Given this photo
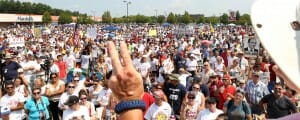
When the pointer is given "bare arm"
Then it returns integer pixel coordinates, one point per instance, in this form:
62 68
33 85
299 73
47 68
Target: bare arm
20 106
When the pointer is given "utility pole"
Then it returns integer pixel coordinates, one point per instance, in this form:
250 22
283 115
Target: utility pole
127 3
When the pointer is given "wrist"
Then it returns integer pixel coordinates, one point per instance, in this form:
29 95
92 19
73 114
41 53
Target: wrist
125 106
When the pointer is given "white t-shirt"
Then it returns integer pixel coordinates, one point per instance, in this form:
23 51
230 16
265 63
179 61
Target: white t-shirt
54 69
154 64
103 96
144 68
208 115
64 97
182 79
156 112
81 114
70 60
191 65
12 101
85 61
95 94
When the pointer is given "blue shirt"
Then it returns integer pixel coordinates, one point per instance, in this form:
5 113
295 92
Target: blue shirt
35 109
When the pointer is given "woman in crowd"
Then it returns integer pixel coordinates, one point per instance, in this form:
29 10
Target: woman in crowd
40 83
102 66
36 107
235 70
83 96
21 86
94 91
237 108
219 66
200 99
190 108
54 89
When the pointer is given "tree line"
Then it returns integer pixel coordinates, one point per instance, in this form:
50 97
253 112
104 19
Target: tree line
65 16
177 18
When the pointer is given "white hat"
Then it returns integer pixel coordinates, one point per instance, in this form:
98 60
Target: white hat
4 110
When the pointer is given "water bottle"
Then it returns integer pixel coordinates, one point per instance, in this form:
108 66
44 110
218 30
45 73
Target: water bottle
107 114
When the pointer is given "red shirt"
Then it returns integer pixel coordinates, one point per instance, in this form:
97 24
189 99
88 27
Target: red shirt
62 69
148 99
223 96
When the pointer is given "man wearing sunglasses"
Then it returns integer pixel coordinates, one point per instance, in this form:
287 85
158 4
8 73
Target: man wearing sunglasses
211 112
14 100
76 111
278 105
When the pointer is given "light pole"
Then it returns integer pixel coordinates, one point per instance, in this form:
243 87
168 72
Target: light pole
127 3
156 15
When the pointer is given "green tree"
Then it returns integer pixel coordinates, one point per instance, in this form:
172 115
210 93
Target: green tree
46 17
106 17
186 18
118 20
65 18
244 19
224 18
200 19
161 19
171 18
141 19
213 20
237 15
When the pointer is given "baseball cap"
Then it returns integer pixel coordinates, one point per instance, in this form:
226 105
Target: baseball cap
72 100
4 110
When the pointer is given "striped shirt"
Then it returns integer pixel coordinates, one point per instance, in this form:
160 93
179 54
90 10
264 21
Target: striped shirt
256 92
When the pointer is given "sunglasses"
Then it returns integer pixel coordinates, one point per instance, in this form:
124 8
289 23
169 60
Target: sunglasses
20 72
9 87
210 103
195 88
83 98
76 80
53 77
191 97
71 86
36 93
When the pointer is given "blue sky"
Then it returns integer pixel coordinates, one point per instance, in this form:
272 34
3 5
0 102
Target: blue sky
148 7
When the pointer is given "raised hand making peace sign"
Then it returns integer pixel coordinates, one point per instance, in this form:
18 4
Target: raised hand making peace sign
126 83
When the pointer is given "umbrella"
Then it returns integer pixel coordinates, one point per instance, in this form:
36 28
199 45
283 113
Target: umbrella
206 42
111 28
166 24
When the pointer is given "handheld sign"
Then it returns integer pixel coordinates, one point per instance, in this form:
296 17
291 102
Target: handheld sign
277 24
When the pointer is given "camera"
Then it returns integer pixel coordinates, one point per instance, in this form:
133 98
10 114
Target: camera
42 116
47 64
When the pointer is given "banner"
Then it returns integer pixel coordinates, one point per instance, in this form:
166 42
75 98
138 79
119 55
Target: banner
232 17
16 41
92 33
152 33
168 66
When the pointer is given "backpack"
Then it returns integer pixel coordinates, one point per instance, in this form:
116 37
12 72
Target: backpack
230 104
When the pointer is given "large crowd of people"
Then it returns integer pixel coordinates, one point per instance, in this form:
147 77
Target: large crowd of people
188 72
